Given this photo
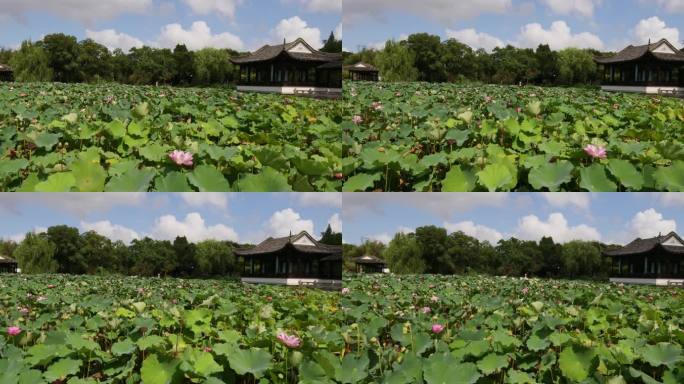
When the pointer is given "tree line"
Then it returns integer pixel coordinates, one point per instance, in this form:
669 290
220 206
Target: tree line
425 57
62 58
64 249
431 249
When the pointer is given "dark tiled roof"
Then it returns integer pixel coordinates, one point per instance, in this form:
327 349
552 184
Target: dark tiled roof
361 67
269 52
368 259
5 68
272 245
6 260
636 52
640 246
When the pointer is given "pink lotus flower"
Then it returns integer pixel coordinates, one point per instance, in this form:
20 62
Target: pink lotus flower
51 286
525 290
437 328
290 341
141 290
357 119
596 151
23 310
426 310
434 299
40 299
13 331
345 291
488 99
397 94
518 109
376 105
207 349
181 157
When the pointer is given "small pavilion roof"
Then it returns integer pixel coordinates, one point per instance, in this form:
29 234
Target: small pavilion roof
360 67
368 259
5 68
7 260
633 52
641 246
302 242
298 50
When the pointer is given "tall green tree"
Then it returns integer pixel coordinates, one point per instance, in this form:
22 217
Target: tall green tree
332 45
96 251
94 61
215 258
30 63
185 65
576 66
404 255
36 254
427 53
331 238
213 66
459 61
432 241
67 241
397 63
63 53
152 257
185 256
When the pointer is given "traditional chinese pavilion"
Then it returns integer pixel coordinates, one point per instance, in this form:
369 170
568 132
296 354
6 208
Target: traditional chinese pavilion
362 72
370 264
6 73
658 261
651 68
291 68
292 260
8 265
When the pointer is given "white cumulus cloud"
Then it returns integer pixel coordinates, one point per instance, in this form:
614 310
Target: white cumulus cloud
335 223
650 223
206 7
215 199
532 227
193 227
442 11
112 39
325 199
293 28
567 7
558 36
287 221
86 11
197 37
672 6
114 232
654 29
564 199
475 39
480 232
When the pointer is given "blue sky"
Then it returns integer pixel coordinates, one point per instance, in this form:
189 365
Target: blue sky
237 24
243 217
601 24
609 217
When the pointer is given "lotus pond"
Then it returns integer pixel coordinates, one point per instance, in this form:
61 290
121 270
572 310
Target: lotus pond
91 138
445 329
59 329
448 137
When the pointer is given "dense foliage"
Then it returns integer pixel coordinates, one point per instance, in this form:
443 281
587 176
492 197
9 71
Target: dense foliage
425 57
431 249
58 329
433 329
60 137
61 57
64 249
448 137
